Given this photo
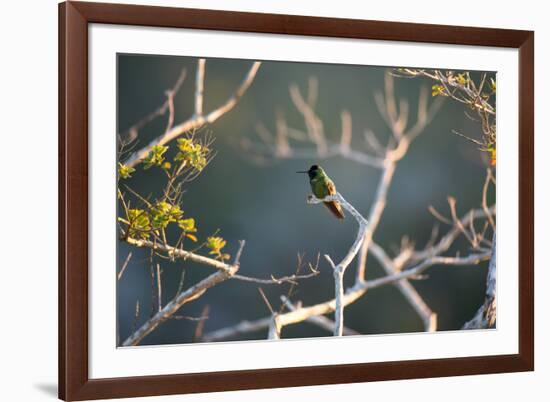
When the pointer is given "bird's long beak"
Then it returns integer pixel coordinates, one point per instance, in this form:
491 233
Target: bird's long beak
302 171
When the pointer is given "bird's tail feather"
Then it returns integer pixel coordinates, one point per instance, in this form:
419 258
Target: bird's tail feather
335 208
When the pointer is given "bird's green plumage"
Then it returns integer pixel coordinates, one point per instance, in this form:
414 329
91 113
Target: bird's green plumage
322 186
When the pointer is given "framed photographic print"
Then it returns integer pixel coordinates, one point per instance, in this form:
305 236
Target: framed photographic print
256 200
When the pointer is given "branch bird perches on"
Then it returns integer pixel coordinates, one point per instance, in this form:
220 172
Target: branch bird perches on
340 268
414 264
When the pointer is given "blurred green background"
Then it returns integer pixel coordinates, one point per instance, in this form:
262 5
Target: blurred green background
264 203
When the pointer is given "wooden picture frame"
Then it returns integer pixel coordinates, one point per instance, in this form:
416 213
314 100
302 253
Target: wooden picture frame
74 381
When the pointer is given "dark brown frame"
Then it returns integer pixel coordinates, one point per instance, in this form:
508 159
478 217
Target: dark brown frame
74 17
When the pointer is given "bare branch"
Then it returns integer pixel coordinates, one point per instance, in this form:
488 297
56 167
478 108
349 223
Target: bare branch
124 265
189 318
136 316
345 140
225 271
171 112
438 216
486 316
197 335
173 306
152 272
266 301
237 259
446 241
276 281
242 328
375 214
313 123
354 293
465 95
484 198
339 270
274 331
159 288
320 321
132 132
196 121
179 253
199 87
351 295
397 122
282 149
232 101
476 96
358 217
182 279
458 223
429 318
408 263
373 143
423 259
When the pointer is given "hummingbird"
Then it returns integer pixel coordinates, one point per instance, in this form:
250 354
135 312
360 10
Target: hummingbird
321 187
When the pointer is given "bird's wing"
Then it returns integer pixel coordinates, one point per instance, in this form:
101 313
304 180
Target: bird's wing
331 188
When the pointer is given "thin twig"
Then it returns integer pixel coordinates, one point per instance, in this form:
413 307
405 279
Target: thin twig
189 318
276 281
152 272
159 288
393 267
132 132
179 253
195 122
124 265
136 316
197 335
182 279
174 305
199 85
438 216
266 301
484 198
313 123
244 327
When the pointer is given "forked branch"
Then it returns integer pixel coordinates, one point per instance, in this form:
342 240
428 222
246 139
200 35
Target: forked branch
413 266
198 119
340 268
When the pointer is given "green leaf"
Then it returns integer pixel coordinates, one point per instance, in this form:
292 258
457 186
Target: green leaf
216 244
140 225
187 225
192 153
155 156
437 90
461 79
164 213
125 172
